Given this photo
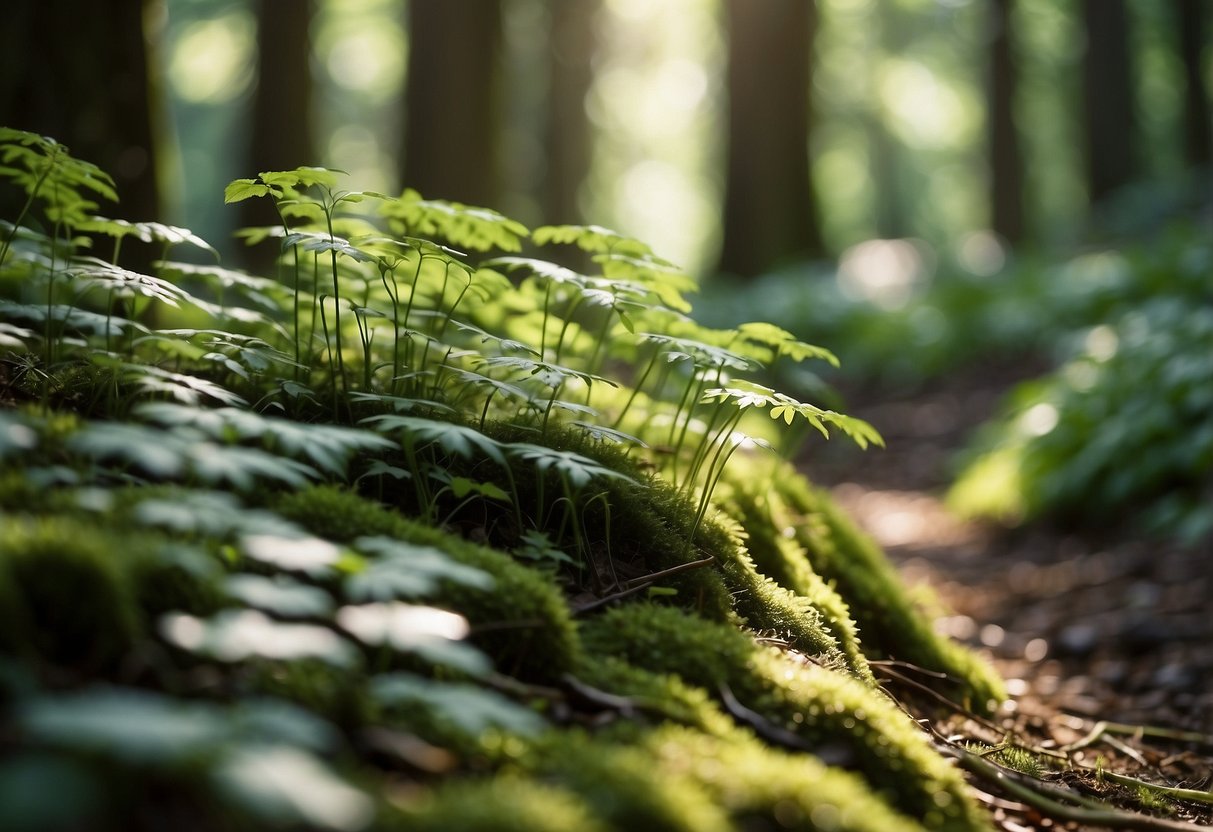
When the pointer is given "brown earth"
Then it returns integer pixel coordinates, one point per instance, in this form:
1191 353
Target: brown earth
1086 627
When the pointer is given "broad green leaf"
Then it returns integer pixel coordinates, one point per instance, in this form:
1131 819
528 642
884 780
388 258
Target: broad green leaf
472 709
310 555
288 788
216 514
279 595
397 568
236 635
431 633
239 190
137 726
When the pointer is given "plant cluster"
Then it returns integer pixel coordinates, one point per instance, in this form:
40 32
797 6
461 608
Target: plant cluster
1121 429
311 550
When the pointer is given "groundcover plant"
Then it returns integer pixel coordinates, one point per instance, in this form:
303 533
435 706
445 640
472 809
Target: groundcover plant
424 530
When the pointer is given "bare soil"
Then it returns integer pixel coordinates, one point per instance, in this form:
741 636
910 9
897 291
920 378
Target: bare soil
1087 627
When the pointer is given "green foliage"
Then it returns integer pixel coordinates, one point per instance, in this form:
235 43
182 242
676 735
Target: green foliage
274 551
891 625
827 709
1120 430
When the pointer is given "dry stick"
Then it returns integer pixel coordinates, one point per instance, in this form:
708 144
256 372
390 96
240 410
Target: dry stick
673 570
1043 796
1046 799
637 584
1195 795
1102 727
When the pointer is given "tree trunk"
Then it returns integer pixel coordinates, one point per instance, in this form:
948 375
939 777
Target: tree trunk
570 73
888 211
1192 22
769 211
281 134
1108 91
452 116
77 72
1006 162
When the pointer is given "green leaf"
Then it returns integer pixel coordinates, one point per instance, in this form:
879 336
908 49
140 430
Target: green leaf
310 555
398 569
431 633
288 787
471 709
573 468
236 635
132 725
461 441
279 595
239 190
216 514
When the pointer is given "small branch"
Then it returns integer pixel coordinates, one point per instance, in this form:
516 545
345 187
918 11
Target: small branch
607 599
1195 795
1047 799
673 570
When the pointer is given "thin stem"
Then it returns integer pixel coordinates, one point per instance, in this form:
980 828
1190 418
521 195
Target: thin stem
636 389
33 194
328 216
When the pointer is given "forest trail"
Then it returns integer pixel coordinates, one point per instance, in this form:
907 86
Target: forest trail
1084 629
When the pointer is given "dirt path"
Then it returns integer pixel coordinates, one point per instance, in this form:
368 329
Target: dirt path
1083 630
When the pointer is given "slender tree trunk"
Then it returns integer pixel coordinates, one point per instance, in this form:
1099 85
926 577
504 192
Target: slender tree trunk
452 115
770 214
281 135
1006 161
1192 21
78 72
889 213
1108 91
570 74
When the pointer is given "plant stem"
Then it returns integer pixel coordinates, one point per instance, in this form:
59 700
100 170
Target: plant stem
33 194
328 216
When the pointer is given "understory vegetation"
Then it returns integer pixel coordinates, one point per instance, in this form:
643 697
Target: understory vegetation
425 531
1119 338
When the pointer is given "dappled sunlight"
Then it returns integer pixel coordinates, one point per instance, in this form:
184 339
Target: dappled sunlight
211 61
885 273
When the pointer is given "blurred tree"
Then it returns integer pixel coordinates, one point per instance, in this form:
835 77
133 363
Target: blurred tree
1192 21
452 113
78 72
769 210
570 73
889 216
1005 159
1109 119
281 135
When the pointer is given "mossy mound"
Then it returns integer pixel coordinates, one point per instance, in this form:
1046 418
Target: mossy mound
890 623
826 709
522 621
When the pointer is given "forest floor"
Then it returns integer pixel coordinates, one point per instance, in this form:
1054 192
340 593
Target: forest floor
1091 631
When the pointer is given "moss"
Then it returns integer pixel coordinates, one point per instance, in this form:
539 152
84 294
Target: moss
497 804
522 622
766 789
617 783
662 694
338 694
69 591
823 707
891 624
772 544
